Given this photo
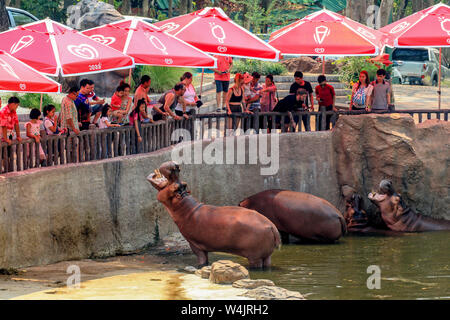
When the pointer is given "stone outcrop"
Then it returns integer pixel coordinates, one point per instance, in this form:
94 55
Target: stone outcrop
369 148
273 293
204 272
309 65
252 284
227 272
88 14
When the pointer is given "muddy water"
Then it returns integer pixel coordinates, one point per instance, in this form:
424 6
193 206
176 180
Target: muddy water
413 266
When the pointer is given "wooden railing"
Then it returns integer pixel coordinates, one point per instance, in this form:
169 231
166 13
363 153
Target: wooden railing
98 144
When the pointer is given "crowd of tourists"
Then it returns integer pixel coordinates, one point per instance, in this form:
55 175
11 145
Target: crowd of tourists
82 109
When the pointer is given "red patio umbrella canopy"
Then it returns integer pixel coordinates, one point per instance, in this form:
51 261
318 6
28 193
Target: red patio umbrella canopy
17 76
52 48
326 33
212 31
149 45
427 28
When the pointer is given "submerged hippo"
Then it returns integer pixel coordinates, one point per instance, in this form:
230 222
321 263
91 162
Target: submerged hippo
300 214
208 228
398 216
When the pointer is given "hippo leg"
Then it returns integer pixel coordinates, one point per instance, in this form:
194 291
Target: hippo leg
255 263
202 256
284 237
267 262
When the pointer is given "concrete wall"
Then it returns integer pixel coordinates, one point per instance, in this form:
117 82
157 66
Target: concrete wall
107 207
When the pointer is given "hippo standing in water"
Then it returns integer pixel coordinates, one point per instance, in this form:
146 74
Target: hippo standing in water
300 214
208 228
398 216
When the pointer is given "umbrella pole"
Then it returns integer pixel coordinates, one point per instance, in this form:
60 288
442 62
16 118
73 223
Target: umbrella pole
440 70
129 77
40 105
323 65
201 83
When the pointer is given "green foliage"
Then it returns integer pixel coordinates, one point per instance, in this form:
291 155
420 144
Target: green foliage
44 8
262 67
350 68
32 100
163 78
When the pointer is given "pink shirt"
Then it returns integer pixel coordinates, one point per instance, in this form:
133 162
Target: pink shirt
268 98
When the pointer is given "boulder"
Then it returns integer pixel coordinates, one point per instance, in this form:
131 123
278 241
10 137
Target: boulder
227 272
252 284
204 272
309 65
273 293
190 269
369 148
88 14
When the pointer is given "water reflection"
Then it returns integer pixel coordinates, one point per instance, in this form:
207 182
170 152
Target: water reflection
413 266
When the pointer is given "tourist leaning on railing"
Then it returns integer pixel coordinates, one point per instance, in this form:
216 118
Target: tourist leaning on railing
33 128
121 103
51 121
189 101
69 115
169 101
137 116
9 121
106 115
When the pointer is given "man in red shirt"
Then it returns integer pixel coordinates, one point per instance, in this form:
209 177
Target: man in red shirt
9 121
222 79
327 100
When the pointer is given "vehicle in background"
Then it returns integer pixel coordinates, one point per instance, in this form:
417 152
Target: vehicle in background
18 17
146 19
418 66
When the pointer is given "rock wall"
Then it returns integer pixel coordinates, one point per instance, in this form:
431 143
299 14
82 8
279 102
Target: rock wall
104 208
415 158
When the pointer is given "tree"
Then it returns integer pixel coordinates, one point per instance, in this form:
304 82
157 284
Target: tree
4 21
384 13
170 8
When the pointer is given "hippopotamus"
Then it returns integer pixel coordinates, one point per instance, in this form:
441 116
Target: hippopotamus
208 228
398 216
302 215
357 220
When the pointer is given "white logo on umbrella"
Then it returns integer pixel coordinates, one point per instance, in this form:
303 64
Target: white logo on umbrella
321 33
83 51
366 33
445 25
218 32
222 49
400 27
22 86
23 42
5 65
168 61
158 45
319 50
170 27
102 39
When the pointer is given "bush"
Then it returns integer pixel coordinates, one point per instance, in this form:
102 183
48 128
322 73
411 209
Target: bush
32 100
350 68
163 78
262 67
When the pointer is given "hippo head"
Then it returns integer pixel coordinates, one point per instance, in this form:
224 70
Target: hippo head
385 191
171 171
355 215
173 194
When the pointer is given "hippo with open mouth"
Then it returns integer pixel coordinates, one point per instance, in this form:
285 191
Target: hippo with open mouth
398 216
208 228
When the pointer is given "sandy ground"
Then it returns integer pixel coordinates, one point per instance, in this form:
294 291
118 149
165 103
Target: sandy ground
137 277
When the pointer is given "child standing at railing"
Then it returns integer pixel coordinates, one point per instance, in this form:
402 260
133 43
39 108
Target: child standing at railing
104 120
51 121
137 116
33 128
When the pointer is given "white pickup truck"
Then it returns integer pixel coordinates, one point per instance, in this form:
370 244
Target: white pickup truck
418 66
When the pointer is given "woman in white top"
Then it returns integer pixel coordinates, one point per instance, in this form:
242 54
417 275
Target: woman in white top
188 101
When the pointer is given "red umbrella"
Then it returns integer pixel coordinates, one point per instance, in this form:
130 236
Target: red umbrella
52 48
17 76
212 31
326 33
427 28
149 45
